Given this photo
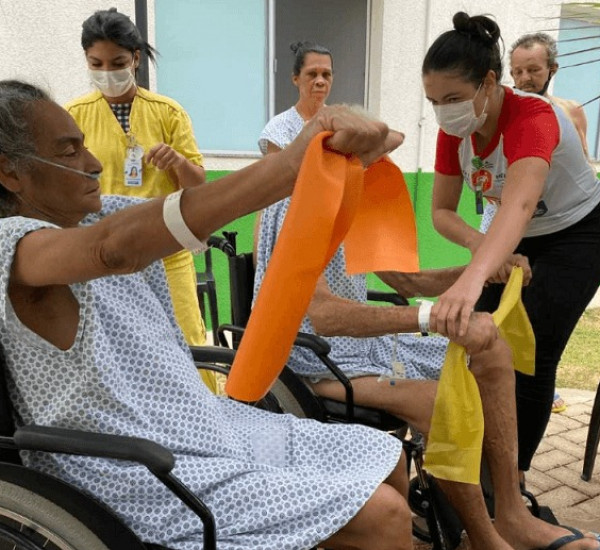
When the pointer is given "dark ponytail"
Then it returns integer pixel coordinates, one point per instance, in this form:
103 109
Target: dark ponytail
470 50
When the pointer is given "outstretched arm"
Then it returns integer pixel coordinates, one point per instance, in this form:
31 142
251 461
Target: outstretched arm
525 180
430 282
133 238
444 212
332 315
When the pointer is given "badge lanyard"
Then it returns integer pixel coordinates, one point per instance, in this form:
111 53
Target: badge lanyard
480 178
132 168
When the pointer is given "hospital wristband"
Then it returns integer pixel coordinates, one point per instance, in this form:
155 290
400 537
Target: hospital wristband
424 315
177 226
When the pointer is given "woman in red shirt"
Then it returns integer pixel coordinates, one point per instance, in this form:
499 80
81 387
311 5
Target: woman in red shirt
518 150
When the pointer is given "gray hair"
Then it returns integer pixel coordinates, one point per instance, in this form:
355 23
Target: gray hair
527 41
16 136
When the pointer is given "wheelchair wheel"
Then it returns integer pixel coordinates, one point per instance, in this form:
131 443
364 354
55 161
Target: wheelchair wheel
29 521
293 396
41 511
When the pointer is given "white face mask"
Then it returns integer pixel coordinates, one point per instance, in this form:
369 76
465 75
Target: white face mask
113 83
459 119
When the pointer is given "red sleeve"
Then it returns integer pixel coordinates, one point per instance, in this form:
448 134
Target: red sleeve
446 154
532 130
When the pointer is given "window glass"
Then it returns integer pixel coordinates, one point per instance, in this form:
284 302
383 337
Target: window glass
212 61
577 79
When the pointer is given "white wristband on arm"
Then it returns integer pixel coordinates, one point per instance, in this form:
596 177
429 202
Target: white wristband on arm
177 226
423 316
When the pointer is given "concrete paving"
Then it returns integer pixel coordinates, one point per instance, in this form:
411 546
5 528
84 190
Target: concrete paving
555 475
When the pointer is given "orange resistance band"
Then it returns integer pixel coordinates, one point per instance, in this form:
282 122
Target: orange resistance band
334 198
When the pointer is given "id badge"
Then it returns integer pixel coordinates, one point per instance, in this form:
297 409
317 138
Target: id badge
132 169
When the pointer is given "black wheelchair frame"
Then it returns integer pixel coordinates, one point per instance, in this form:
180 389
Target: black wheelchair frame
37 510
443 529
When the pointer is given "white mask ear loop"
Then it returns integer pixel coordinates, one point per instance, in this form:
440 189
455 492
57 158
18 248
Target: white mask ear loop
484 104
177 226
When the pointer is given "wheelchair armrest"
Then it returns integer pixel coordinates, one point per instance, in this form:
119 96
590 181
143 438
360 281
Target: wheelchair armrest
212 354
233 329
303 339
391 297
155 457
321 348
313 342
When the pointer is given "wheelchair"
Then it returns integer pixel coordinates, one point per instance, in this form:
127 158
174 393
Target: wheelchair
436 521
39 511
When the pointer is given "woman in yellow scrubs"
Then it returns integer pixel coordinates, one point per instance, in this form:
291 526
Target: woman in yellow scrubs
144 141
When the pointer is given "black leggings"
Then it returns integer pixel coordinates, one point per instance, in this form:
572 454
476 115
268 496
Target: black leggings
566 275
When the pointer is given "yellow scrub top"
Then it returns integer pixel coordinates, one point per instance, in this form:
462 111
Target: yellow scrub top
153 119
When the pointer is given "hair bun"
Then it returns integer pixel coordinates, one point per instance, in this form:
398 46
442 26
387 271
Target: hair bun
479 27
295 46
461 22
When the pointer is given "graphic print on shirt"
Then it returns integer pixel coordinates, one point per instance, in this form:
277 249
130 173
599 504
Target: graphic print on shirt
484 176
481 178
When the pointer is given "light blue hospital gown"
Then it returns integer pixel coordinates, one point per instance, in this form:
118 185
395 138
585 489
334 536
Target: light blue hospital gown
281 130
422 357
272 481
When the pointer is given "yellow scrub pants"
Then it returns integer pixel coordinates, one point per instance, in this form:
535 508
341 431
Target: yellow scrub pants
181 276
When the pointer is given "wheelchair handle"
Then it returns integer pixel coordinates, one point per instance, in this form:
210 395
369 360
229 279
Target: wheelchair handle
214 241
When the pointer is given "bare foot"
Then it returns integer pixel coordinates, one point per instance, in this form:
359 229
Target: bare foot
535 533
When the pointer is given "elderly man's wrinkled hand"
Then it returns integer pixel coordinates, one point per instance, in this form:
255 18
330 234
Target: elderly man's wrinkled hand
452 312
481 333
354 133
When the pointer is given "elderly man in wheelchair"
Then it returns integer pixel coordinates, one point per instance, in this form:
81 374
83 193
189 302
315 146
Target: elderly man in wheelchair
91 344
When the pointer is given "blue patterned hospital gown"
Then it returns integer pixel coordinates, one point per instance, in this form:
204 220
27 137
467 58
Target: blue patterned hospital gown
272 481
422 358
281 130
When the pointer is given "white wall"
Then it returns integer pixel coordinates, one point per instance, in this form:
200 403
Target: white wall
40 42
406 37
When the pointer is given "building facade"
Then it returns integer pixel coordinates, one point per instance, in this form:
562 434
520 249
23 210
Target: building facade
228 63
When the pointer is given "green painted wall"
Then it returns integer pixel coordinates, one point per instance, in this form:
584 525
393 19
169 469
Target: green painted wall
434 250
